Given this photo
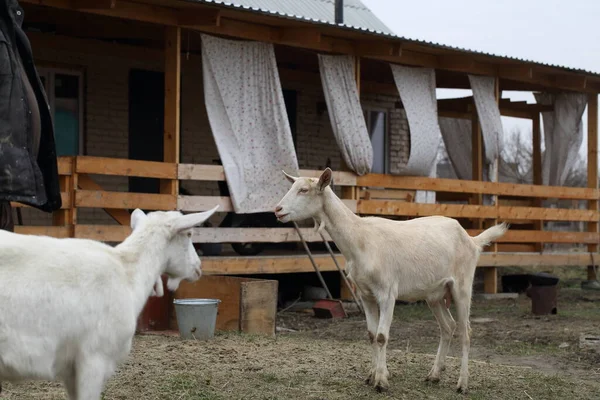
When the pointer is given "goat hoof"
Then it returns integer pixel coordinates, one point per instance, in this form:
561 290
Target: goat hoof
432 379
461 389
381 388
370 379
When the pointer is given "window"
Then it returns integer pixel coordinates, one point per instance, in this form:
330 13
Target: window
377 125
65 96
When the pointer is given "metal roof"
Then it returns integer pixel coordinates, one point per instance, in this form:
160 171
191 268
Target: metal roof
356 14
357 17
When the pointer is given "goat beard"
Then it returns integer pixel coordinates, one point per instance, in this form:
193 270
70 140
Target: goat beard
319 226
173 283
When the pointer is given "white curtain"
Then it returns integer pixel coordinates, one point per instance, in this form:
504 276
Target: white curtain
563 134
249 122
345 113
490 120
417 92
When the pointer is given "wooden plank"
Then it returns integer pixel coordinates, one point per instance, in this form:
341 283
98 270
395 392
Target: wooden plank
245 235
65 199
121 200
400 208
103 233
592 170
118 233
65 165
523 236
305 36
394 194
87 183
370 48
192 17
198 172
53 231
258 307
93 4
301 263
124 167
464 186
536 260
204 203
172 134
216 173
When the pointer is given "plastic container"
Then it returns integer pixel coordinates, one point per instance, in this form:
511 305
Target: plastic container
196 318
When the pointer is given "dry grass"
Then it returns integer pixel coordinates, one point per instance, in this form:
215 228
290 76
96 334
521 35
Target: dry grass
516 356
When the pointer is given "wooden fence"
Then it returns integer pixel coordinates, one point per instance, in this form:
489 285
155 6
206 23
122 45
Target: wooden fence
374 194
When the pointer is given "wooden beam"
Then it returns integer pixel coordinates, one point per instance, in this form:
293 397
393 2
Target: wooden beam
103 233
304 36
523 236
193 17
122 200
93 4
85 182
402 208
52 231
464 186
172 134
592 172
91 47
124 167
370 48
301 263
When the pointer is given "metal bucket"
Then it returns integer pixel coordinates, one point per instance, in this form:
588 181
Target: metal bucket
196 318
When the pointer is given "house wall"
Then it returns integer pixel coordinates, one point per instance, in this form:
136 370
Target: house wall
106 120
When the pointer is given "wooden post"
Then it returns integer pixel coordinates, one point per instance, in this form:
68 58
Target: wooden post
172 104
537 170
592 170
68 184
156 314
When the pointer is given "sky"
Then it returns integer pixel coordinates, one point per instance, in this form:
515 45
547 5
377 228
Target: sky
550 31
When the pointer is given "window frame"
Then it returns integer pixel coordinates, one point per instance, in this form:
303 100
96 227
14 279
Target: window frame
49 73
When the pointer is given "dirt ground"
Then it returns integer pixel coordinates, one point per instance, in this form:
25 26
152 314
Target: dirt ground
515 355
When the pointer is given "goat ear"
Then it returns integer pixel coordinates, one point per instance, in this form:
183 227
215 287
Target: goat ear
289 177
191 220
136 216
325 179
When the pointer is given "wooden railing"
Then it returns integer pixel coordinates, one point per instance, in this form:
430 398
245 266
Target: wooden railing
383 195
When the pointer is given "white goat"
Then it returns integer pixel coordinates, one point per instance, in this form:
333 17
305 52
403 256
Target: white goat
429 258
68 307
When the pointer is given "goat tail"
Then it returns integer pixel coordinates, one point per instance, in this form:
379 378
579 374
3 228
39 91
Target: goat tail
490 235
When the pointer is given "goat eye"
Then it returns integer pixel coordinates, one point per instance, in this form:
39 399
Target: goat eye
189 234
303 190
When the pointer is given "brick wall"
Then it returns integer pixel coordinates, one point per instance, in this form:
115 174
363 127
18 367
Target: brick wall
106 121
